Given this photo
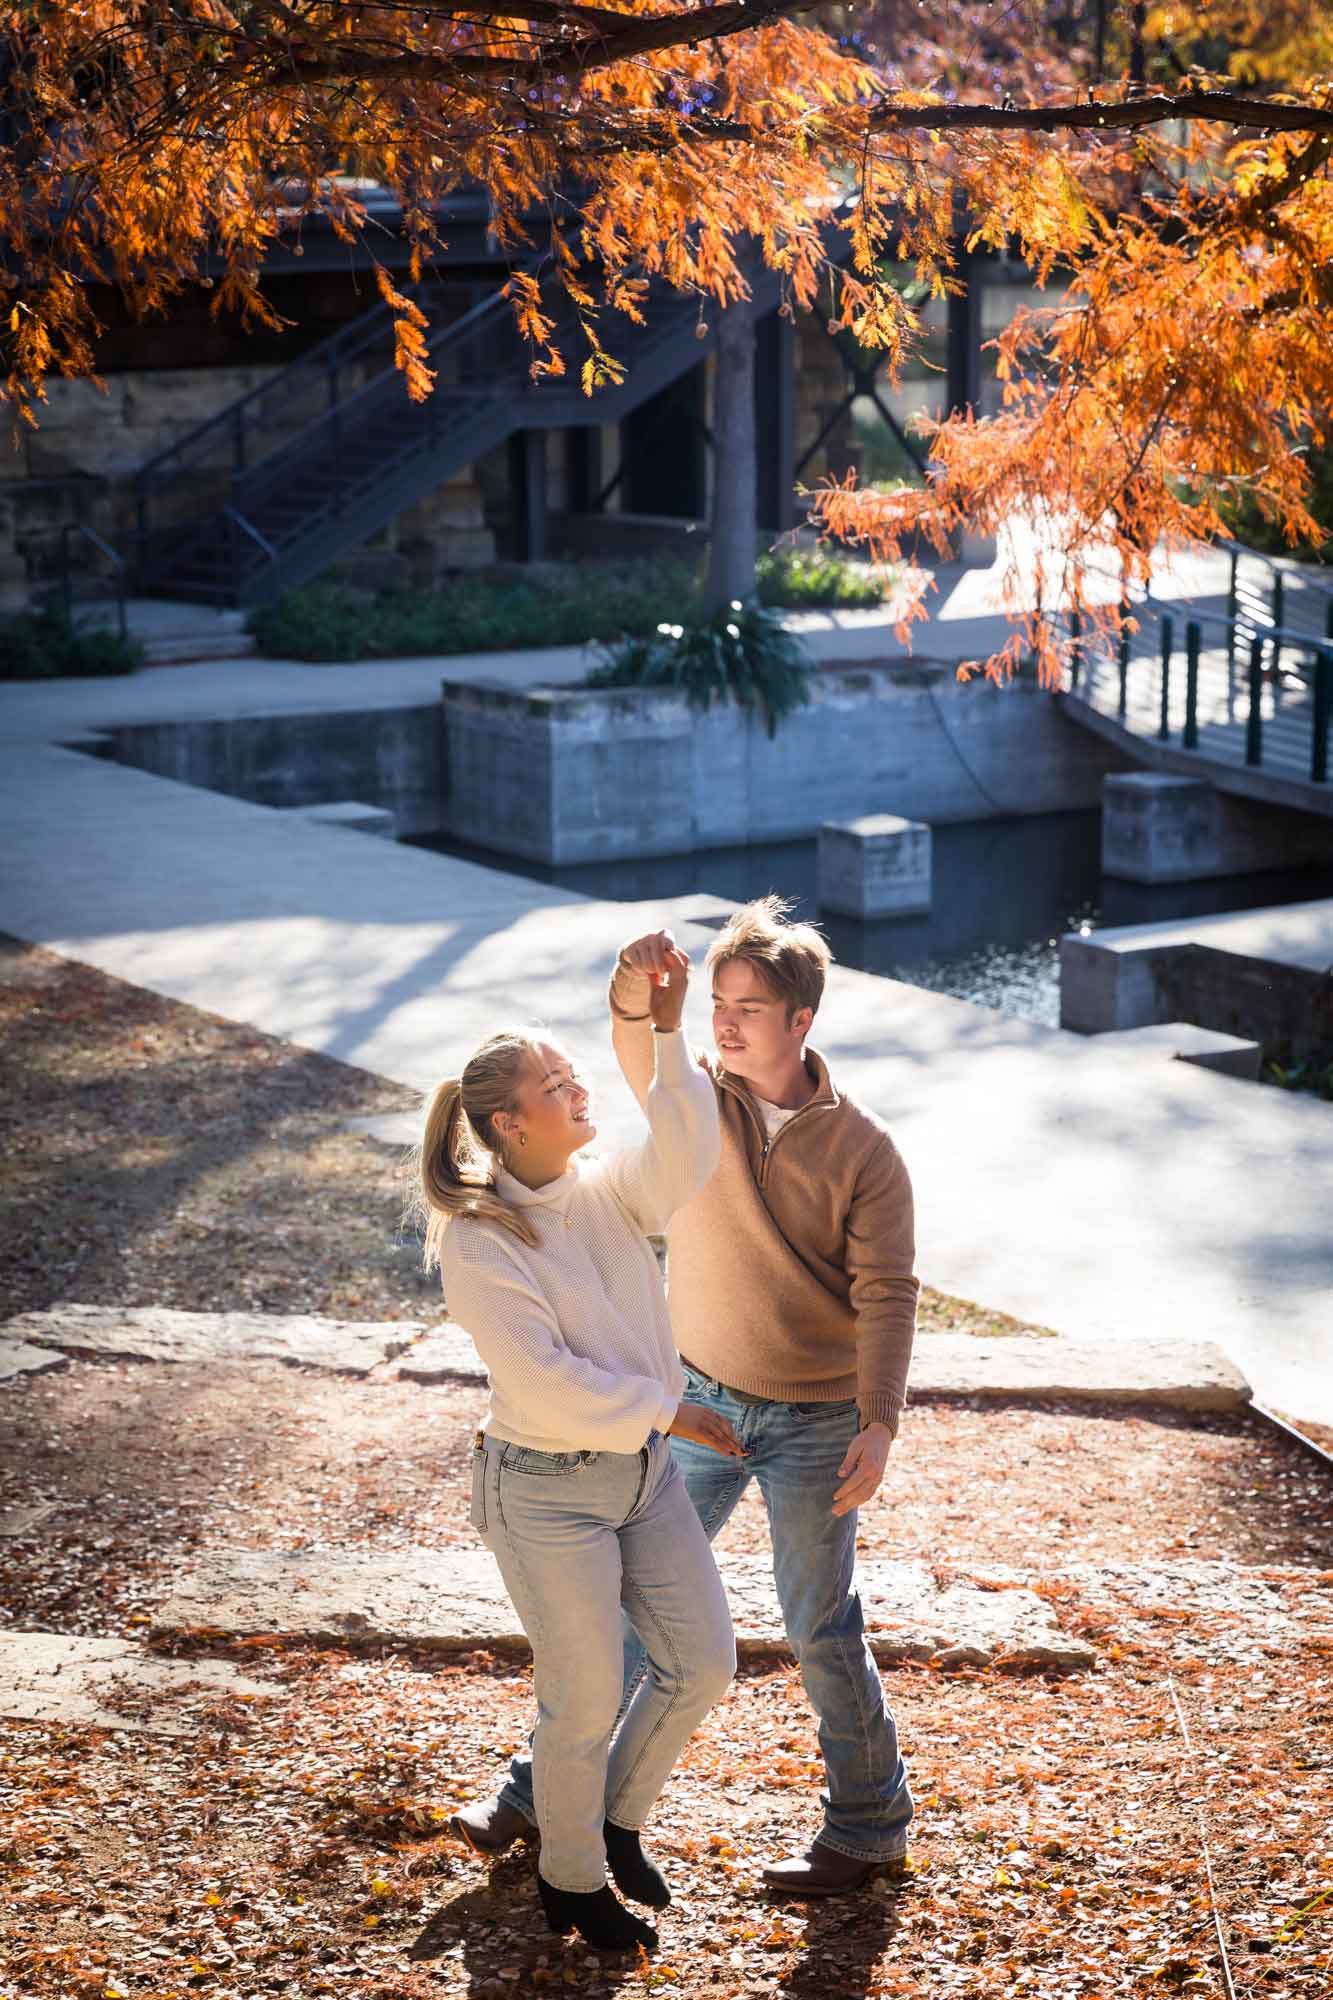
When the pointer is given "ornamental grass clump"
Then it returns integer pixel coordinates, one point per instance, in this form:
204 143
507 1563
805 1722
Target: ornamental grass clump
742 654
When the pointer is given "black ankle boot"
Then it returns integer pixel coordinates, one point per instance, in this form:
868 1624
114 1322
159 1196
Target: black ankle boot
635 1874
601 1920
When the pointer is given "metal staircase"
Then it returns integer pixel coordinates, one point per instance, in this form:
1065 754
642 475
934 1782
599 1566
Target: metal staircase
244 507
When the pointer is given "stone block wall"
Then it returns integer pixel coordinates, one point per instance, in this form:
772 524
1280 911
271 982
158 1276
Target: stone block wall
79 464
563 776
392 758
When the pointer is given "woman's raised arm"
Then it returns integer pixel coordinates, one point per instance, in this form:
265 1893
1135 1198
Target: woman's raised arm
684 1142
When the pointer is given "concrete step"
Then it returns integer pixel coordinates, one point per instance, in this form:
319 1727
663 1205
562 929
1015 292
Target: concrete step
176 632
182 649
1207 1048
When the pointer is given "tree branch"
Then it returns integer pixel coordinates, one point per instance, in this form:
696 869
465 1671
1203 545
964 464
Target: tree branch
634 35
1223 107
1271 193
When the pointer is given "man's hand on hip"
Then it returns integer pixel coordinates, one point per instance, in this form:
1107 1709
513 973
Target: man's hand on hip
863 1468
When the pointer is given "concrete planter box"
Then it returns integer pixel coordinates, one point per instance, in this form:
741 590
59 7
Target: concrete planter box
563 775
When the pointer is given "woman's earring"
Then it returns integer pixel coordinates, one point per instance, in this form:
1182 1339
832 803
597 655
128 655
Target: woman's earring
522 1138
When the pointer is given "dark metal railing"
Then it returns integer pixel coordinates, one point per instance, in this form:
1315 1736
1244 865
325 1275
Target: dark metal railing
1145 696
357 437
1268 605
66 571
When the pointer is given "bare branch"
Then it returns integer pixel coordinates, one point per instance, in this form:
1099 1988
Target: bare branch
1221 107
634 35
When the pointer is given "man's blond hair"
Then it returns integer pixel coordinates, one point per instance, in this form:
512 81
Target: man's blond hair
792 960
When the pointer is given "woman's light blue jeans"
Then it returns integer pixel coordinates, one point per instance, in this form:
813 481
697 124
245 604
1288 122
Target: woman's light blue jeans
795 1451
582 1538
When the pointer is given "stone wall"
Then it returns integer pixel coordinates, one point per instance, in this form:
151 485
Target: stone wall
390 757
563 776
78 467
104 435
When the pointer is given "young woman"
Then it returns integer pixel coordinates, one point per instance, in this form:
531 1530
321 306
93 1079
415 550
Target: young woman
546 1264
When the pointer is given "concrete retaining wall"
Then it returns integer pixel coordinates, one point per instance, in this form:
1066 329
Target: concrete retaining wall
1258 999
566 775
389 757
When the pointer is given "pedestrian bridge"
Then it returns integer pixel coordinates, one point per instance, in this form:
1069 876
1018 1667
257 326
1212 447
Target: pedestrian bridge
1235 690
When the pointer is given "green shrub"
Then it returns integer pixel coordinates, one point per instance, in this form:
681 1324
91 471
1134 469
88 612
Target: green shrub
1303 1068
578 604
809 579
743 655
40 646
584 604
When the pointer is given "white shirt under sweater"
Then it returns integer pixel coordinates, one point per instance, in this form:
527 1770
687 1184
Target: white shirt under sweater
574 1332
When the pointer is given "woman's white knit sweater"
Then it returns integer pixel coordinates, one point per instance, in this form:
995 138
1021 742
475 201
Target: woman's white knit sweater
574 1332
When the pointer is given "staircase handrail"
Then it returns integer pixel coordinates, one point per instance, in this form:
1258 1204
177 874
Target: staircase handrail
498 383
248 528
356 334
104 547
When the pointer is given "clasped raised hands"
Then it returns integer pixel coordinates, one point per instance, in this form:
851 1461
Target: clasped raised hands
668 967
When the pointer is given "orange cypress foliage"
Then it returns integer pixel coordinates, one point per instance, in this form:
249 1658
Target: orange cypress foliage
1190 355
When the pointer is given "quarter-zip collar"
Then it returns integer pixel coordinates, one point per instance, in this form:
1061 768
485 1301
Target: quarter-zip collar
825 1098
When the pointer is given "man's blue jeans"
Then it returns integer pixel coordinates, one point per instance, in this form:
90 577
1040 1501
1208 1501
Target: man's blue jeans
795 1451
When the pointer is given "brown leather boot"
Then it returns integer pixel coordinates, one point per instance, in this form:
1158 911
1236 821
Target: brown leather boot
490 1826
822 1871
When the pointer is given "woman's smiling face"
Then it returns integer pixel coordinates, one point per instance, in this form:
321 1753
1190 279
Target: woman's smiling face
552 1107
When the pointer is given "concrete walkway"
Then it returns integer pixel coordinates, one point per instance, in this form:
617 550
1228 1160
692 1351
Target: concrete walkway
1085 1190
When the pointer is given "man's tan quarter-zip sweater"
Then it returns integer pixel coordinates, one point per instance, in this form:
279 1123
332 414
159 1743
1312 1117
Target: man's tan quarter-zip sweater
790 1274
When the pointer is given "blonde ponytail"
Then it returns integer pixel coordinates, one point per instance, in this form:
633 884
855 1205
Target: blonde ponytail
458 1147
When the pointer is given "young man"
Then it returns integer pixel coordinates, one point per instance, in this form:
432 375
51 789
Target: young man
793 1304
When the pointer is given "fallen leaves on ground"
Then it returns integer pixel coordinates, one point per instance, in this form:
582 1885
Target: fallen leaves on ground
298 1845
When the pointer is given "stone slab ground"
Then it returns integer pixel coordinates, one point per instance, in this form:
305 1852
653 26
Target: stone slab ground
454 1599
1166 1374
152 1333
24 1357
111 1684
1170 1374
